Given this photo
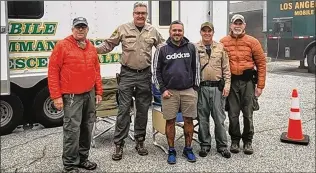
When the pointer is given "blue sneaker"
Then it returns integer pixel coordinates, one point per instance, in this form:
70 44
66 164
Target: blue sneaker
188 153
172 154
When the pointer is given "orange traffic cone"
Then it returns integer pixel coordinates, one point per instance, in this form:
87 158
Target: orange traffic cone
294 134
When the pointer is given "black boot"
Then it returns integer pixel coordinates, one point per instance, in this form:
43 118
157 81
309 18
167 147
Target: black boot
204 152
234 148
118 152
248 148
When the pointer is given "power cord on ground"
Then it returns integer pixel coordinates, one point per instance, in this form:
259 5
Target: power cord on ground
277 54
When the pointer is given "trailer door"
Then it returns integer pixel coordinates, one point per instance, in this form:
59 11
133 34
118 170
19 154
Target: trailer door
5 75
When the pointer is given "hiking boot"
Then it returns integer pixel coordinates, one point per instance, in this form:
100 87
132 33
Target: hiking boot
188 154
248 148
234 148
118 152
204 152
88 165
224 152
140 148
172 156
70 170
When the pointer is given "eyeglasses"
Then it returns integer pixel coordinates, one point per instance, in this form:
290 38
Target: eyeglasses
81 26
140 13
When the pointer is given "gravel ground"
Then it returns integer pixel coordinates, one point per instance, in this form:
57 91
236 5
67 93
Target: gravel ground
39 149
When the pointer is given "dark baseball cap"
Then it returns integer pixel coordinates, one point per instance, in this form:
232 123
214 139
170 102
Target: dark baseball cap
207 24
79 20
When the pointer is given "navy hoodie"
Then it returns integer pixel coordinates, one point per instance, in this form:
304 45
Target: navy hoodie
176 67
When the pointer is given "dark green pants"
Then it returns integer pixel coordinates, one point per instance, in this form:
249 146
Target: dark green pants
79 116
211 101
241 98
129 81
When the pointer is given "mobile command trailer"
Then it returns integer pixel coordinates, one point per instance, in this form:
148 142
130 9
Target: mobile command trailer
30 30
291 30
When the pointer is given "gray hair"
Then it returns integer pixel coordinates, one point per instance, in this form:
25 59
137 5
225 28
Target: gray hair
175 22
139 4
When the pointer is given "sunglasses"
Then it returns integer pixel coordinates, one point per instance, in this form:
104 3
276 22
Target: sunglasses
81 26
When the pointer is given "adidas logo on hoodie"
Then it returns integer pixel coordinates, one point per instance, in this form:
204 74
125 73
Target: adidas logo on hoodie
178 56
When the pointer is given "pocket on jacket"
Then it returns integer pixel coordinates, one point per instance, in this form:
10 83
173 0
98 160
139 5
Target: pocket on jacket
216 59
130 43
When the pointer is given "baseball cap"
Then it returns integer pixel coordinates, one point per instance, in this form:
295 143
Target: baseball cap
79 20
238 17
208 24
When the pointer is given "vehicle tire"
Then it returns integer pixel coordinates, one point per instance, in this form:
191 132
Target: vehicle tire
310 60
11 108
45 112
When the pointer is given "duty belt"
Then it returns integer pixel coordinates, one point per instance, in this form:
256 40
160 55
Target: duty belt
135 70
210 83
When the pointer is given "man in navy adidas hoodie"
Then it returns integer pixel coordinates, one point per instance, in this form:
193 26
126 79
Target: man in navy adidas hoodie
176 72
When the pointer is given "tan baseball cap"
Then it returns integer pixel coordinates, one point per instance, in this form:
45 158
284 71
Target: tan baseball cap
238 17
208 24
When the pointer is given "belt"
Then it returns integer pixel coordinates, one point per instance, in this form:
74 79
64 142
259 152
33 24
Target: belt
135 70
209 83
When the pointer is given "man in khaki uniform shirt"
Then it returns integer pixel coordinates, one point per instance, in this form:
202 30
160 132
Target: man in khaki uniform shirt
214 88
137 38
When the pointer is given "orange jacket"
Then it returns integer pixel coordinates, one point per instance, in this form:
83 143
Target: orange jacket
240 51
73 70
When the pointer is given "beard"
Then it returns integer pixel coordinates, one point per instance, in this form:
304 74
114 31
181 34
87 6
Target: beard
176 38
237 31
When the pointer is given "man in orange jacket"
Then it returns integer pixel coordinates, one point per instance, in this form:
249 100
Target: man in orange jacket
75 86
245 53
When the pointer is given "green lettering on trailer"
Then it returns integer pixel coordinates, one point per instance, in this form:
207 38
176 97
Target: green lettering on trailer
42 62
25 46
32 28
32 62
15 28
109 58
28 46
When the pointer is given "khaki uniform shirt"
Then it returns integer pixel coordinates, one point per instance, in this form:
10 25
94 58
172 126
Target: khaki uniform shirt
136 46
218 63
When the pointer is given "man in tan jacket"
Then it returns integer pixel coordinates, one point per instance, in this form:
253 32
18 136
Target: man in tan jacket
137 38
214 88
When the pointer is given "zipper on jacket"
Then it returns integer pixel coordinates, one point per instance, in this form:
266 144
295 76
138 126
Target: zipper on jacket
236 48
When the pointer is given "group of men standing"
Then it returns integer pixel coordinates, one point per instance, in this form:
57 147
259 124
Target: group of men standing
194 78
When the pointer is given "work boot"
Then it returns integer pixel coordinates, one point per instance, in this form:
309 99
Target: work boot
118 152
70 170
88 165
224 152
204 152
248 148
234 148
140 148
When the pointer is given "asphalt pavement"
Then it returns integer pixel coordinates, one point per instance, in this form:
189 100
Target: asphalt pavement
40 150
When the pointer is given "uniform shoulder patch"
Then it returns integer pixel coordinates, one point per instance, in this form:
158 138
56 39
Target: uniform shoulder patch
114 33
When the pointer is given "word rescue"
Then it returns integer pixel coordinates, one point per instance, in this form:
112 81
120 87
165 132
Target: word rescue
301 8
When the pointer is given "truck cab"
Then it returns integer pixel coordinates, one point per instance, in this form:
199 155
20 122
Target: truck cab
291 31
